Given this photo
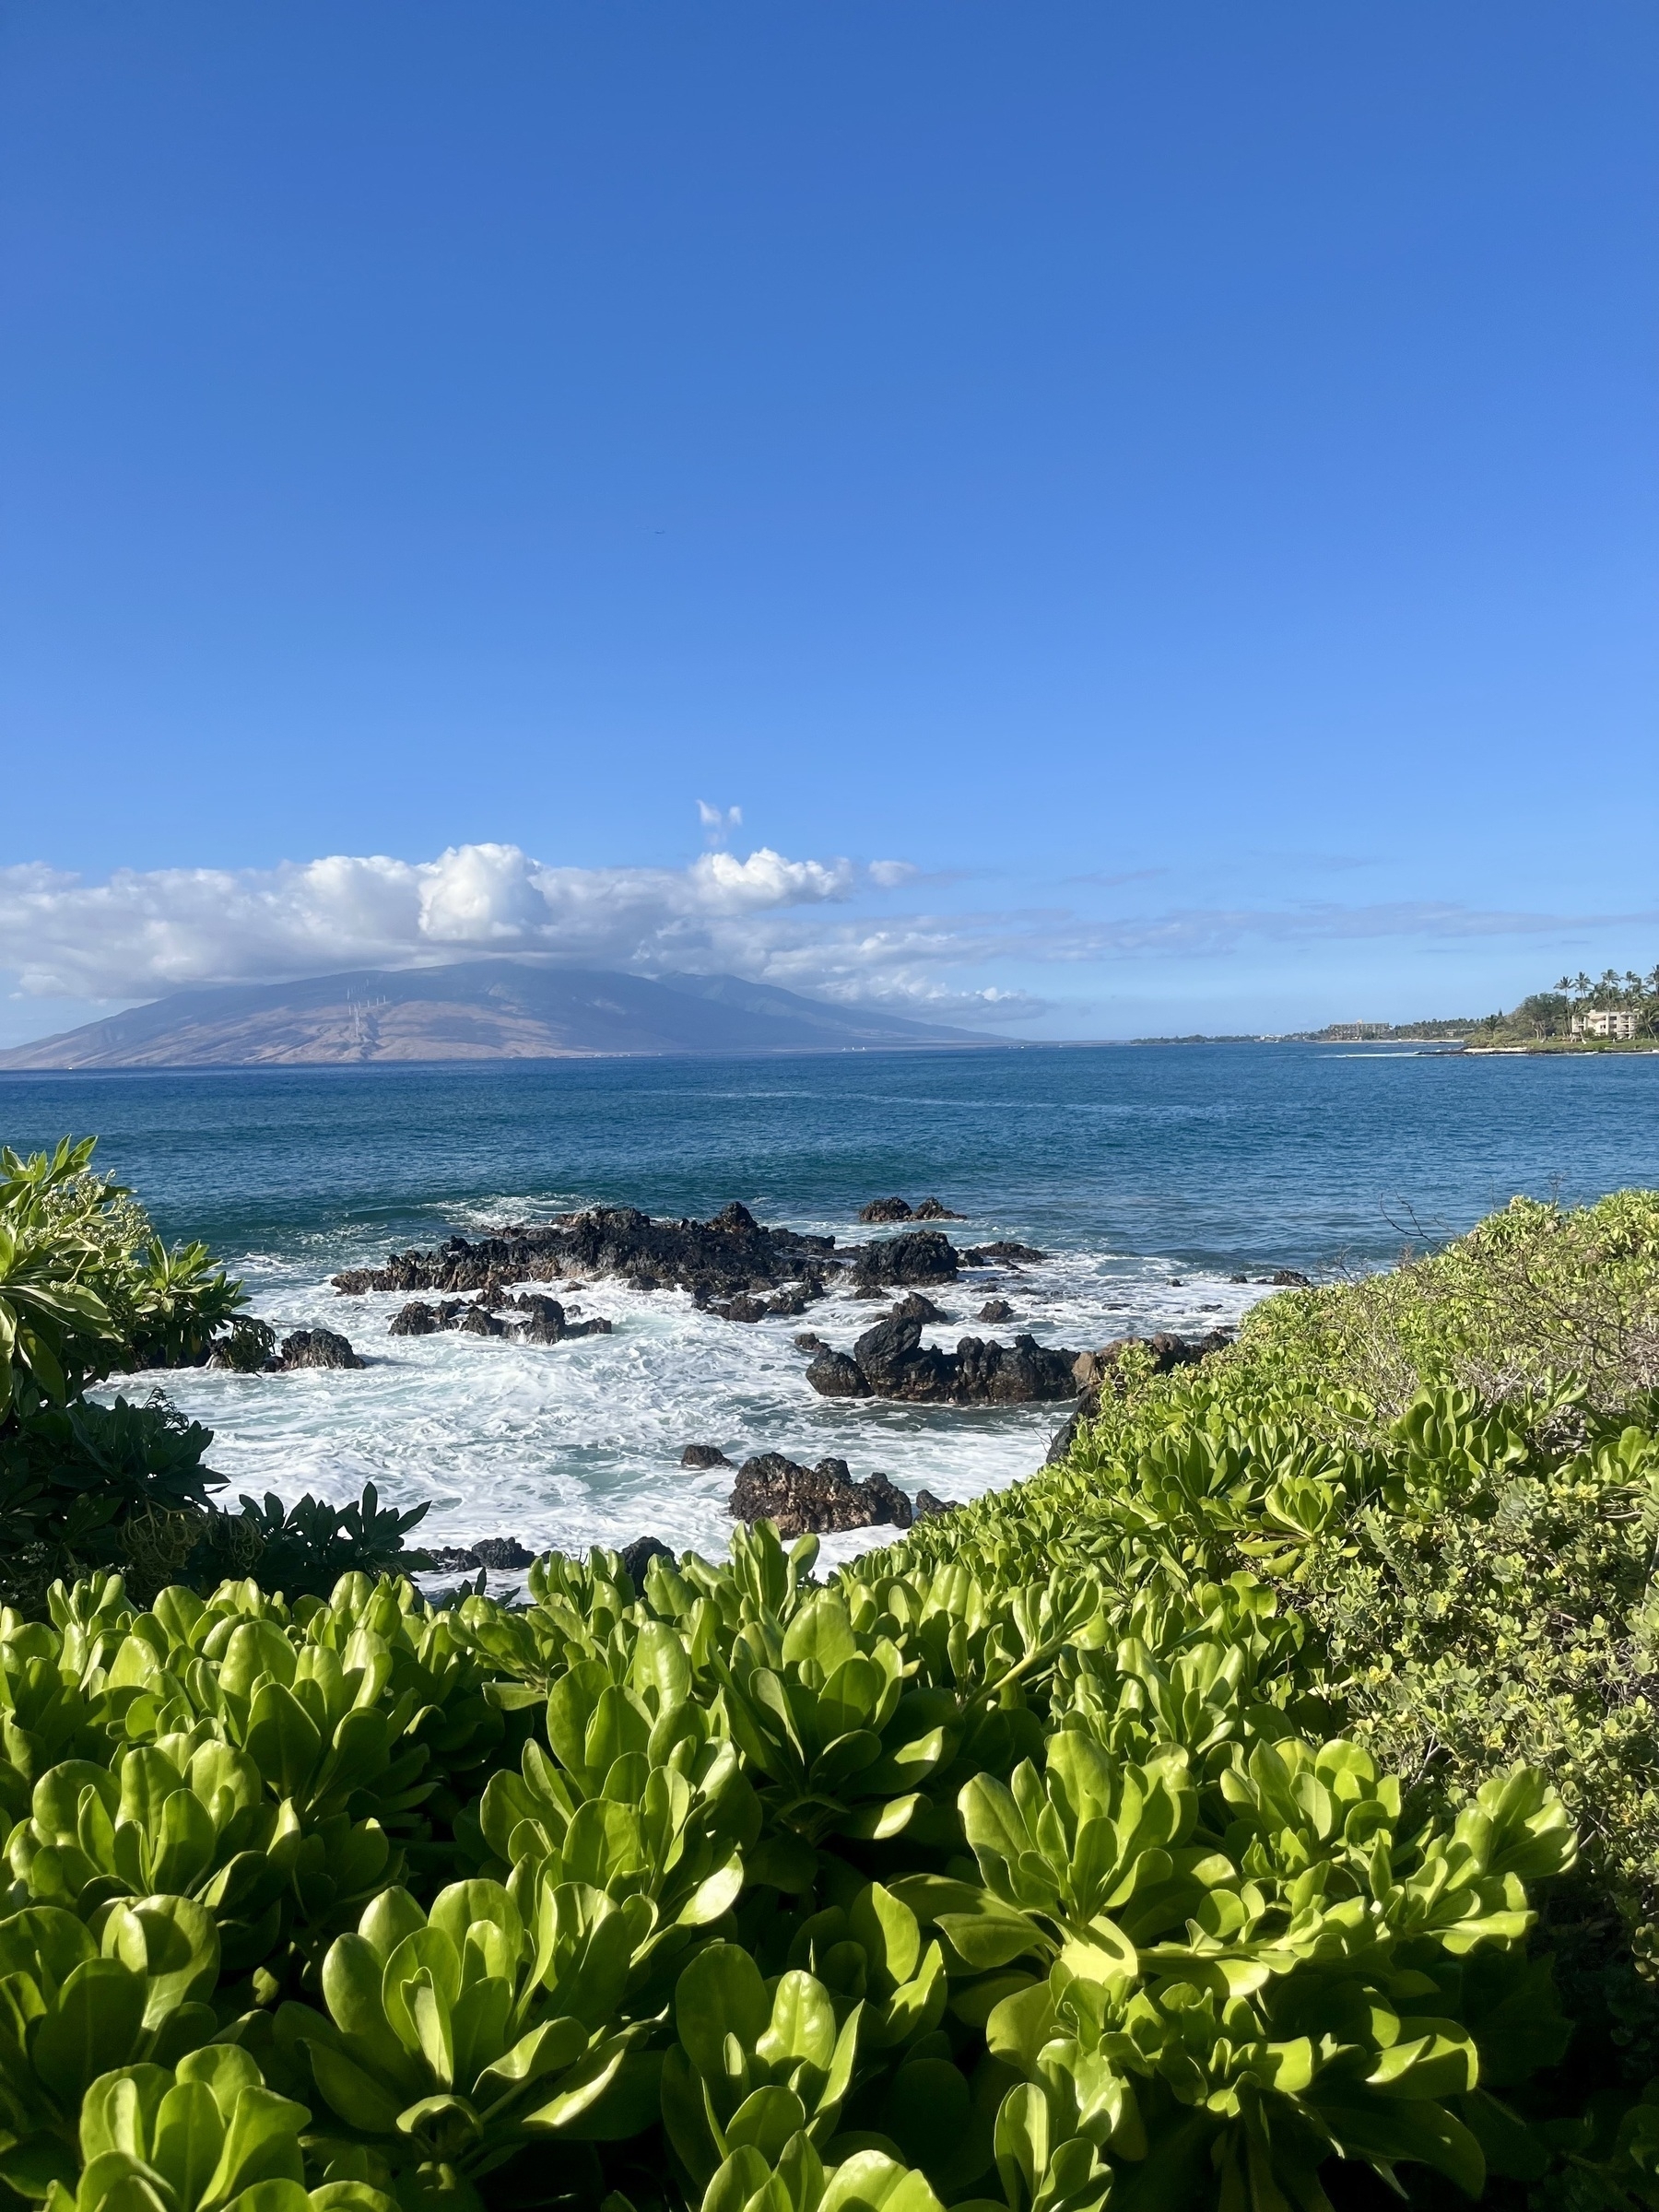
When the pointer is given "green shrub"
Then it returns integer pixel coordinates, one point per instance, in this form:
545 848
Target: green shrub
1208 1822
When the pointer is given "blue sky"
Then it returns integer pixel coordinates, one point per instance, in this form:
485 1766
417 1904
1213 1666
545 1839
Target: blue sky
1175 485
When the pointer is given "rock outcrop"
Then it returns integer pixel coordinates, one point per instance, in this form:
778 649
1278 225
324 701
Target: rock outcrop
925 1255
915 1306
703 1456
546 1321
900 1209
890 1362
315 1347
814 1500
718 1258
996 1309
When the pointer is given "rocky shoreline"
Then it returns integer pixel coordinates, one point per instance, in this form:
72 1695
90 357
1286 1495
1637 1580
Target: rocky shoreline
740 1270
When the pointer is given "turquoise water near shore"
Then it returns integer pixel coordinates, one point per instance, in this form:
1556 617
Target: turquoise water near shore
1151 1174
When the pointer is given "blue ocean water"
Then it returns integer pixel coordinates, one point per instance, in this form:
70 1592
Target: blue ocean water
1152 1174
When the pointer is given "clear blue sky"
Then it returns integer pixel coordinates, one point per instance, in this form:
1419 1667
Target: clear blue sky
1180 478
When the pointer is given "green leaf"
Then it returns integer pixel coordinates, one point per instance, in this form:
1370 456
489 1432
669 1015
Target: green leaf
283 1739
720 1993
94 2028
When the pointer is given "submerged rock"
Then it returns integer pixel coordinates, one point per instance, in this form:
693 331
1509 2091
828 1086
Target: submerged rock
316 1348
814 1500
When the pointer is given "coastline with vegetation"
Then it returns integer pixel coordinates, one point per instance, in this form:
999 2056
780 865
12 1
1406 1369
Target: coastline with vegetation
1254 1807
1612 1013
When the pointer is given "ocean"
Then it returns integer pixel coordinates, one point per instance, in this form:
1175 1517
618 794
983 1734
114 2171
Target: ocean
1152 1175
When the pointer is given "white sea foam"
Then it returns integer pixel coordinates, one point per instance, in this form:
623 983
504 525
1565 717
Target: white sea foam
578 1443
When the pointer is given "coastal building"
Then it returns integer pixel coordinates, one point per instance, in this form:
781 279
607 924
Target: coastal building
1618 1022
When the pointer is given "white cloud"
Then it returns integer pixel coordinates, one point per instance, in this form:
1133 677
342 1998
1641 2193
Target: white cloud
823 926
143 934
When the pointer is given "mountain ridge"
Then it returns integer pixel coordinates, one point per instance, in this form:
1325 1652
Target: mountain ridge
490 1009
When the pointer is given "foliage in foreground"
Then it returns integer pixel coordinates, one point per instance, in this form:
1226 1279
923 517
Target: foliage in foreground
88 1290
1197 1825
930 1887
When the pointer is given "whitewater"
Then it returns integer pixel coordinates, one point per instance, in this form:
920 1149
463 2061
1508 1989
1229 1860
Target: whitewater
1152 1176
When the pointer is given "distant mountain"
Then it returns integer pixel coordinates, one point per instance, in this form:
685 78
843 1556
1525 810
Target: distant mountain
502 1009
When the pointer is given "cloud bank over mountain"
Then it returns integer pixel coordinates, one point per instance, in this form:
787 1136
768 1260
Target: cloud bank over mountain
855 933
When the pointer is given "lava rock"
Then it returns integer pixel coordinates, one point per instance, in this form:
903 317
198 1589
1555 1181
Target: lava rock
502 1551
453 1558
996 1309
733 1253
637 1557
834 1375
987 1255
808 1341
932 1210
812 1500
742 1307
890 1362
885 1209
415 1319
316 1348
926 1507
923 1256
703 1456
913 1306
1287 1278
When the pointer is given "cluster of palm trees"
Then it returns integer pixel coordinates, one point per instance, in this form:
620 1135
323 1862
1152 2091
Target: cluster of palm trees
1611 989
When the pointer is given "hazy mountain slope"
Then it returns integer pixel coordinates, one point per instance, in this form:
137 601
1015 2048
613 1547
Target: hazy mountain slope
502 1009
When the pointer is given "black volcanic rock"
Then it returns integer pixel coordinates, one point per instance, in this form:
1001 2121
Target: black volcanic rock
931 1209
546 1321
703 1456
502 1551
987 1255
316 1348
921 1257
725 1258
814 1500
834 1375
637 1557
890 1362
886 1209
996 1309
915 1306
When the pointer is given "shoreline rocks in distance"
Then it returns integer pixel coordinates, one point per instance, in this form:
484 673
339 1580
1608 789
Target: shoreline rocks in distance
890 1362
900 1209
821 1501
547 1321
732 1265
723 1257
315 1347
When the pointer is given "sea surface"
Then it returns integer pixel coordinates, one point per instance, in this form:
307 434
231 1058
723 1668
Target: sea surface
1152 1175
